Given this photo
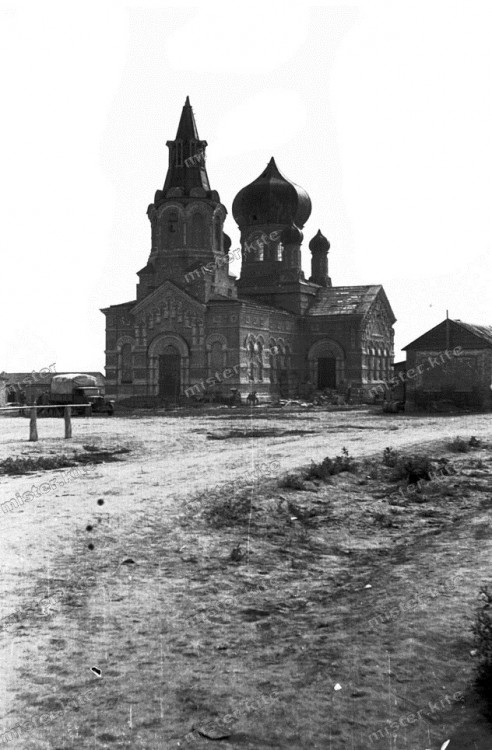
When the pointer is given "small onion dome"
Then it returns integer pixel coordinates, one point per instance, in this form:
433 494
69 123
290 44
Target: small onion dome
226 242
319 243
291 236
271 199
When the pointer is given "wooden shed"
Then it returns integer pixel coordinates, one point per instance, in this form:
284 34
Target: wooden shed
450 366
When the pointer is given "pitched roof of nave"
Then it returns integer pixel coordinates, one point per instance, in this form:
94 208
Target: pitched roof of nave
330 301
252 303
129 304
346 300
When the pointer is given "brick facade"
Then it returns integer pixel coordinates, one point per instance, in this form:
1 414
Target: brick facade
193 326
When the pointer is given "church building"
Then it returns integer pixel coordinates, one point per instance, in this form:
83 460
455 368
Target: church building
194 329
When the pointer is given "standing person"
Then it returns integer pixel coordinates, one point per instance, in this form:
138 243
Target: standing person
348 395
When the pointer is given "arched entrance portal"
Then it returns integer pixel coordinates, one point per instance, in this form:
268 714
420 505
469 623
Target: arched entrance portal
327 372
326 360
169 373
169 361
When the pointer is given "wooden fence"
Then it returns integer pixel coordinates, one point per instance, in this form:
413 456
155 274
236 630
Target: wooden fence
33 413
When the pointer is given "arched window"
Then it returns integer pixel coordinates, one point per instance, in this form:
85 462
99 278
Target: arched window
126 363
218 233
273 361
251 357
281 356
178 153
197 230
288 357
216 357
260 360
172 229
381 373
372 360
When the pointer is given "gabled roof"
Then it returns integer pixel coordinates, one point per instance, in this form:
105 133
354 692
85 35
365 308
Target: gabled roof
344 300
260 305
151 299
484 333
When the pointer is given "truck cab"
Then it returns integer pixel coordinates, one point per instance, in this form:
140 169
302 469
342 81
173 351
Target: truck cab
93 395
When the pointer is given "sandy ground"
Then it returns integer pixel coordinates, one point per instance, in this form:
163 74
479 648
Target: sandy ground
126 618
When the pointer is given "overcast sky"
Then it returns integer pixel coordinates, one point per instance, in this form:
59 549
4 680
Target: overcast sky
382 111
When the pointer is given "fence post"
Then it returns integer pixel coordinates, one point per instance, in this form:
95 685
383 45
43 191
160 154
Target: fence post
67 413
33 427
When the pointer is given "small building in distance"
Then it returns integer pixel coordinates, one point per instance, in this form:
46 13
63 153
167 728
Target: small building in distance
3 389
33 384
450 365
398 393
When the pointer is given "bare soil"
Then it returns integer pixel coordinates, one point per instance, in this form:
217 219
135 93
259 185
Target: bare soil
204 592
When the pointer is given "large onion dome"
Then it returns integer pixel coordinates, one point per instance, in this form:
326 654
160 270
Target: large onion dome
271 199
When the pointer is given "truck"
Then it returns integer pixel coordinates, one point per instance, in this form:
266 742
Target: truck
79 391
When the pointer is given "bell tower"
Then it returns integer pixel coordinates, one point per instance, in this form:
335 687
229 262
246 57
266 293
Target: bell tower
189 246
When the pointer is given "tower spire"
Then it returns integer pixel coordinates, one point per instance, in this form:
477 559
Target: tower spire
187 126
187 156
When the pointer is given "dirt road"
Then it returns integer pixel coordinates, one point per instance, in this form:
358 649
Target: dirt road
109 573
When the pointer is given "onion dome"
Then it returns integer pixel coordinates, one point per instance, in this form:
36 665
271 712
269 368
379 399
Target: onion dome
226 242
291 236
319 243
271 199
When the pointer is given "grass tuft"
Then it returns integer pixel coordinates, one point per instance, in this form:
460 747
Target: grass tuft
292 482
224 508
412 468
390 457
25 465
458 445
482 630
328 467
